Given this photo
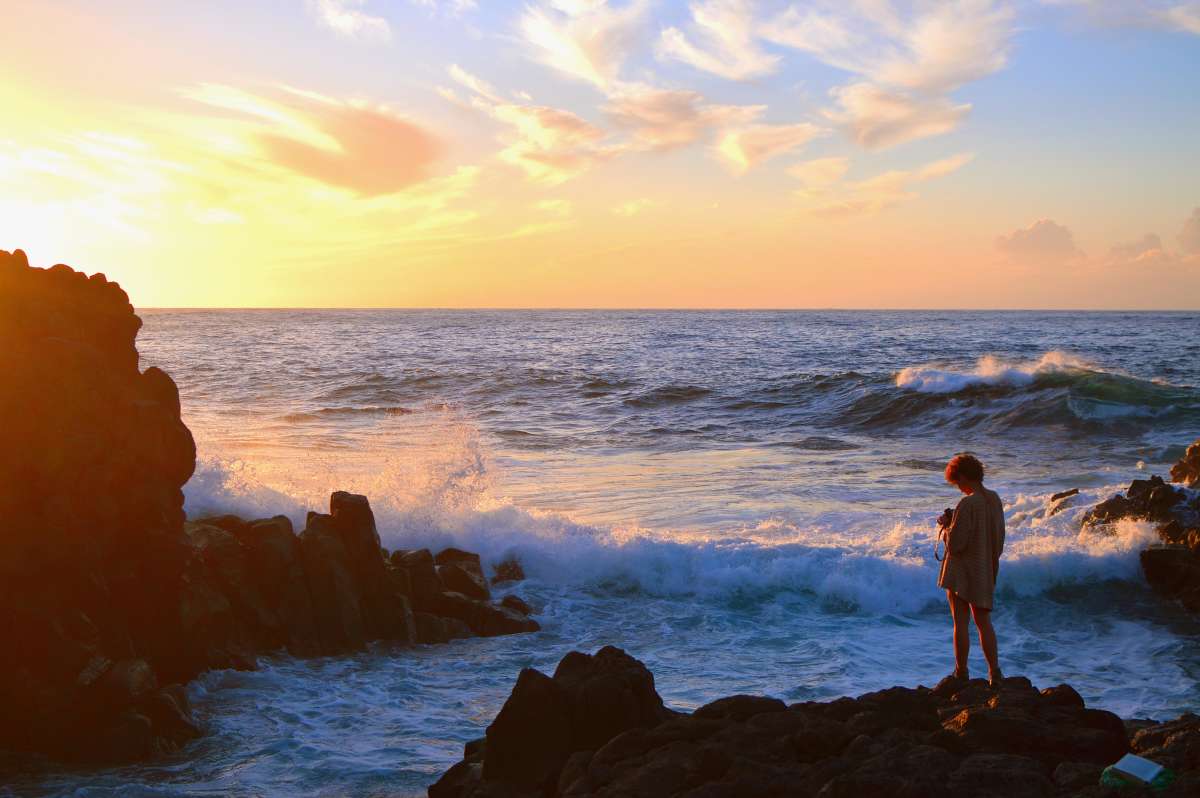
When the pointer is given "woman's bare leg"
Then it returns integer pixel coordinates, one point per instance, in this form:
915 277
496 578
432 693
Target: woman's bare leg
962 635
987 638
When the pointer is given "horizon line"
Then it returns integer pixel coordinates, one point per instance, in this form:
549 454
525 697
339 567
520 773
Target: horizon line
653 309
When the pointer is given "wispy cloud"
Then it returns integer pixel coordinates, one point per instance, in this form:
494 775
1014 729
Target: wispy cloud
550 145
584 39
816 176
877 118
664 119
346 18
742 149
906 63
721 40
1183 17
890 188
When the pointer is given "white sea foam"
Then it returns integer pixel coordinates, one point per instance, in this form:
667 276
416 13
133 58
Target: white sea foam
988 370
868 560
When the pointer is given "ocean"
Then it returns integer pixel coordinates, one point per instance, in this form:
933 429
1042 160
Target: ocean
743 500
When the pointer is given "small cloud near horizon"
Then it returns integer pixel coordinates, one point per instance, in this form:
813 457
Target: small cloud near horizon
1045 241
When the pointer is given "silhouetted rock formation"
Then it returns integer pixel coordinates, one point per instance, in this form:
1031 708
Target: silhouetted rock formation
1187 470
1173 567
608 735
107 592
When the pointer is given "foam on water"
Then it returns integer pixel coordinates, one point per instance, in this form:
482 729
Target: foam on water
988 370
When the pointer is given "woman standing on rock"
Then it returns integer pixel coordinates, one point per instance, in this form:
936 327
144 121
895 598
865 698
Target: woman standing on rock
974 535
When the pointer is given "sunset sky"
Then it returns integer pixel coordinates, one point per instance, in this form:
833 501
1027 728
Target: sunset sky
583 153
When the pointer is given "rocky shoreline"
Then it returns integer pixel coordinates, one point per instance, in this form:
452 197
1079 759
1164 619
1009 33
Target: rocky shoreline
111 599
598 727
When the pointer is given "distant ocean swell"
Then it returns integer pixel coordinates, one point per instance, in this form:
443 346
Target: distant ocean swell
993 395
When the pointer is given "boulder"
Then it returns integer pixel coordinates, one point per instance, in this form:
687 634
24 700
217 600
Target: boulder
463 580
1187 470
590 700
508 570
597 728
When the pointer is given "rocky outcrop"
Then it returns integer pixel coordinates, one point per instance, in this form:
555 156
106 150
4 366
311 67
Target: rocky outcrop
109 598
549 723
93 457
1173 567
1187 470
962 739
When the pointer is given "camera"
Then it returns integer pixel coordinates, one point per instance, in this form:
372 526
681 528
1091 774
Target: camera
946 517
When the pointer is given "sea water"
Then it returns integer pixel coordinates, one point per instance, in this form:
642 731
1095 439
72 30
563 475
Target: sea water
743 500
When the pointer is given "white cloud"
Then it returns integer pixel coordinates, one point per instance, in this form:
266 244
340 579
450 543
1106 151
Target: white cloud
663 119
935 49
891 188
741 149
877 118
585 39
817 176
721 40
1045 242
345 18
907 61
549 145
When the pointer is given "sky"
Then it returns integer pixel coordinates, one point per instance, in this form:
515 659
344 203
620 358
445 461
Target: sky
587 153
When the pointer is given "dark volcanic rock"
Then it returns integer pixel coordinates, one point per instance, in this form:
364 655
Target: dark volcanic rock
93 456
1173 568
590 700
1187 470
597 728
106 594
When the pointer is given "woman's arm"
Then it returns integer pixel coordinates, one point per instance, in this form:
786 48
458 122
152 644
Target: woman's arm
962 527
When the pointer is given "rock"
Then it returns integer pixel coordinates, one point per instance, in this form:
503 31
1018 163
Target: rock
517 604
460 580
94 458
590 700
597 728
277 560
1173 569
463 559
426 584
508 570
1064 494
740 707
1062 695
1187 470
1000 775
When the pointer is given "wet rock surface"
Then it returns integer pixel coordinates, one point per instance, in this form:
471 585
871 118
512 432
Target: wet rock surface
110 598
1172 567
955 739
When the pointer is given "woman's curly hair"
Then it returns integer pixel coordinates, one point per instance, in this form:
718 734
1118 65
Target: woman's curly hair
964 466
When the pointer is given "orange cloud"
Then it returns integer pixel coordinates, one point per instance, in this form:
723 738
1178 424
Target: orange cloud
370 151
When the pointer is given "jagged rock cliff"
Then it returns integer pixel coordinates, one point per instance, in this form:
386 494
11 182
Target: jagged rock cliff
107 591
